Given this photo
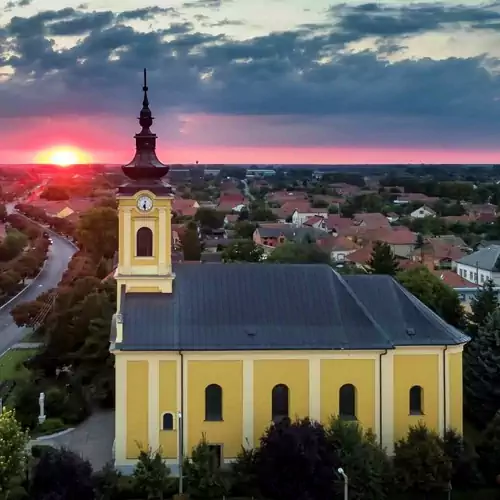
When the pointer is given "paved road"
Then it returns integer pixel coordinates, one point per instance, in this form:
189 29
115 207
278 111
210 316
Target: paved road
59 255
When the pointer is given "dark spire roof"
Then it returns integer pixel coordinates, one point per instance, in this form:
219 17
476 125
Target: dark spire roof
145 166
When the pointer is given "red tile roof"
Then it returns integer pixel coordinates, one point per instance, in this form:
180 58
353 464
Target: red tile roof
361 256
452 279
336 222
372 220
392 236
313 220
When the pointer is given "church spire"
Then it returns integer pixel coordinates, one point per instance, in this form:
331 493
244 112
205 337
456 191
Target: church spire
145 164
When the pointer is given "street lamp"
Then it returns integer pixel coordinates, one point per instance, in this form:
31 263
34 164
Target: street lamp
346 482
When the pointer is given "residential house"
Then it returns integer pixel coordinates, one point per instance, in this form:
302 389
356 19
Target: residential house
392 217
282 197
465 289
436 253
372 220
422 212
230 219
272 235
401 240
406 198
300 215
316 221
185 207
480 266
339 247
230 202
335 224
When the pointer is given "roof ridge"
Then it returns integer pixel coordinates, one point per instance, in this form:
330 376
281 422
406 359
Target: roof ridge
350 291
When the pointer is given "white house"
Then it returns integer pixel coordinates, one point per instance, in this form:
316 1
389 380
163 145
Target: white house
481 266
423 211
298 218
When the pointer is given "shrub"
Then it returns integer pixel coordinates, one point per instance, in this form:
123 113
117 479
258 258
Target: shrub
489 450
151 475
203 476
61 474
107 483
420 464
50 426
296 461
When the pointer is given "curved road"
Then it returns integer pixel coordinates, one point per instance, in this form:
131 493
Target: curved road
60 253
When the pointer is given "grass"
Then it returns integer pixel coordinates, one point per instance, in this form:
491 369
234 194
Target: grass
9 362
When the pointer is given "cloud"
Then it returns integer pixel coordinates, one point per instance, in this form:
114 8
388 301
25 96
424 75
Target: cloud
12 4
304 74
205 4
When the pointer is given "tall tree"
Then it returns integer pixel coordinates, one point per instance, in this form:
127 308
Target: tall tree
435 294
209 218
383 260
97 232
299 253
191 247
481 374
482 305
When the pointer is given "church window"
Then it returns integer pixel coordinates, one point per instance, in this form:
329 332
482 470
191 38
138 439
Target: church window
167 422
280 402
347 402
416 400
144 242
213 403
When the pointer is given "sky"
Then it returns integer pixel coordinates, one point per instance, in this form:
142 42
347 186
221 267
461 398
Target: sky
253 81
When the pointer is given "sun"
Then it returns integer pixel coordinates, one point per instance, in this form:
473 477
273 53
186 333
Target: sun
63 156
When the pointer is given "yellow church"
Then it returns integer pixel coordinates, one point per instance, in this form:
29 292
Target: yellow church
223 350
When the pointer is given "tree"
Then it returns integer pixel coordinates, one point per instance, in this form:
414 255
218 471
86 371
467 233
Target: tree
481 374
436 295
296 461
244 229
209 218
191 247
243 251
484 302
489 450
203 475
420 463
3 212
97 232
13 456
298 253
383 260
366 464
151 475
61 473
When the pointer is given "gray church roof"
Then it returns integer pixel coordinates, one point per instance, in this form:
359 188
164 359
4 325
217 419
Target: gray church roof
245 306
487 259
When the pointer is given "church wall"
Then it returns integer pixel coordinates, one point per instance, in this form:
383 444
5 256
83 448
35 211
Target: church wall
455 378
137 407
168 402
359 372
417 370
228 374
270 372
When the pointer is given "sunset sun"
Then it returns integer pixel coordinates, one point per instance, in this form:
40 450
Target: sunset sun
63 156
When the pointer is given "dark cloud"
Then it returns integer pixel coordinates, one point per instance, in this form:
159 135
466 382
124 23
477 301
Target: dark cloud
300 73
378 19
12 4
226 22
146 14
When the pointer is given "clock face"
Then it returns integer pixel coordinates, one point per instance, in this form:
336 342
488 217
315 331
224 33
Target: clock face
144 203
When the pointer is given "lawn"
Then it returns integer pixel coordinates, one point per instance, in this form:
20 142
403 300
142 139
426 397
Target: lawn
10 360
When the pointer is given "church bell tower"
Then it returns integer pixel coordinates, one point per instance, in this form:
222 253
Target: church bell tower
144 210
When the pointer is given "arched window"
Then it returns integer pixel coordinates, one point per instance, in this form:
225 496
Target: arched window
213 403
168 422
416 407
280 402
144 242
347 402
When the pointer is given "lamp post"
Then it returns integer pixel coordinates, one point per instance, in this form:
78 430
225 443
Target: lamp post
181 452
346 482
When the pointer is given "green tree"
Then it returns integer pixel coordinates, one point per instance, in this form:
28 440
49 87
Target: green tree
436 295
420 463
13 456
383 260
244 229
97 232
242 251
203 475
366 464
209 218
151 475
484 302
191 247
298 253
481 374
489 450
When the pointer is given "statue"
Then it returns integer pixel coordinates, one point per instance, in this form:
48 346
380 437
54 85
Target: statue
41 402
